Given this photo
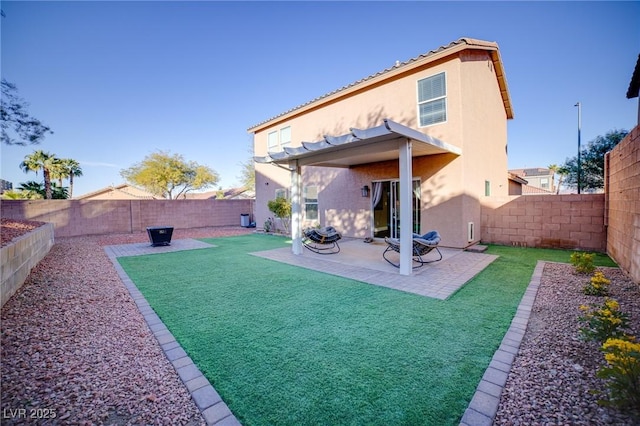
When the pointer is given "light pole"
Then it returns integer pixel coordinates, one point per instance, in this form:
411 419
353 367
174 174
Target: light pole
579 125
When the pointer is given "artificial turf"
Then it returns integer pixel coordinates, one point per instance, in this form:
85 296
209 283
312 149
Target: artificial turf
289 346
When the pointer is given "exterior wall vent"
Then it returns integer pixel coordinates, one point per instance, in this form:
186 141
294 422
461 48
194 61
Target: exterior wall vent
471 232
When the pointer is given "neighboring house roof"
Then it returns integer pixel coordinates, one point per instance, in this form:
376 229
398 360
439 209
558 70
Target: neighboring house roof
123 191
228 194
403 67
634 86
516 178
538 171
534 190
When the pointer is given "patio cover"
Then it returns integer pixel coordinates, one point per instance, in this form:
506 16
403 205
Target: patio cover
388 141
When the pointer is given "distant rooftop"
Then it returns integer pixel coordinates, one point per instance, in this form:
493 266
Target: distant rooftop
537 171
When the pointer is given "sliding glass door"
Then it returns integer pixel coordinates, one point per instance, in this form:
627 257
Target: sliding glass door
385 200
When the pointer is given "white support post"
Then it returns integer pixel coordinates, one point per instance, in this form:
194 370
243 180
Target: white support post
296 208
406 208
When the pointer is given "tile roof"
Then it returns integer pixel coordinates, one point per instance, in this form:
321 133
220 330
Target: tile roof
122 188
537 171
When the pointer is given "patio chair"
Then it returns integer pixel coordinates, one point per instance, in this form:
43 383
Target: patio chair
322 241
422 245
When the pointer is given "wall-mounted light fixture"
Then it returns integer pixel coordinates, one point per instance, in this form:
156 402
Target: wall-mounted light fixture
365 191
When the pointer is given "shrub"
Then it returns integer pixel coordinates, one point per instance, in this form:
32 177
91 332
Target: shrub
583 262
603 322
281 208
597 286
268 225
622 372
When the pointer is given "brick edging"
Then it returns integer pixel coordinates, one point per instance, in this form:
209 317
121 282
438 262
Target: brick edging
484 405
211 406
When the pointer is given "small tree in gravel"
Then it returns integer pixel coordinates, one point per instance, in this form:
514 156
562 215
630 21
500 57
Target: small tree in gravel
281 208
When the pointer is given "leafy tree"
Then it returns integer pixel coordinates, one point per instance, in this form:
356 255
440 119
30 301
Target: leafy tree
169 176
40 160
281 208
592 161
18 127
248 172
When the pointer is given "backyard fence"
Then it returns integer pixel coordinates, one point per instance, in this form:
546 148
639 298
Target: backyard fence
623 201
547 221
95 217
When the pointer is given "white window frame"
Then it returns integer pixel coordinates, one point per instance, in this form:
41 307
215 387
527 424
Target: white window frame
282 193
310 203
273 145
285 140
544 183
431 100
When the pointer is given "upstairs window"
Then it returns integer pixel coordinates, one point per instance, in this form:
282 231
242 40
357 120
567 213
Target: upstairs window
285 136
544 183
278 139
432 100
272 142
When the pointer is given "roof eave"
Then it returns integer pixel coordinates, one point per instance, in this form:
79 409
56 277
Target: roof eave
408 66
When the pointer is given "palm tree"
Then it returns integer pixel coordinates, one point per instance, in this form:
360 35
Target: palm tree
72 168
31 190
59 172
40 160
13 194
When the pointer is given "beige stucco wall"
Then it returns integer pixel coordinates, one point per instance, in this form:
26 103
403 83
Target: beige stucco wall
623 202
451 186
94 217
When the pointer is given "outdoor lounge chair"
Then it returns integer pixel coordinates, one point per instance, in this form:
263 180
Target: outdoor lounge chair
422 245
322 241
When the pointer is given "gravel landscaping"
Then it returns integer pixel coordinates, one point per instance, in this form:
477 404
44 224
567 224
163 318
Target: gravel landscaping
76 350
554 374
74 346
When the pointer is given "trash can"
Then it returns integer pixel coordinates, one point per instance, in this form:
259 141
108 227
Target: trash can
244 220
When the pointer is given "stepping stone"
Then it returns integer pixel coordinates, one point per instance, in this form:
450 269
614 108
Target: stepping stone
477 248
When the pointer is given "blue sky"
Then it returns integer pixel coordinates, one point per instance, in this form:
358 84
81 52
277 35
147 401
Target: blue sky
117 81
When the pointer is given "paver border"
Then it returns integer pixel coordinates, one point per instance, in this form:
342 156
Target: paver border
213 409
484 405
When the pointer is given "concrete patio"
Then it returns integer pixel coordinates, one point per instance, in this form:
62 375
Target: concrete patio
363 262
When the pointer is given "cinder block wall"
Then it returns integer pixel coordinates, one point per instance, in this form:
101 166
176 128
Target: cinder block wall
623 200
19 257
549 221
94 217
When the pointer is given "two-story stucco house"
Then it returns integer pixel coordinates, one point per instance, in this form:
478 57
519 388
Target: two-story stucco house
420 143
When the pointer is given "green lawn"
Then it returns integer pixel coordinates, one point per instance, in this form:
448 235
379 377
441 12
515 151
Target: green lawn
288 346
